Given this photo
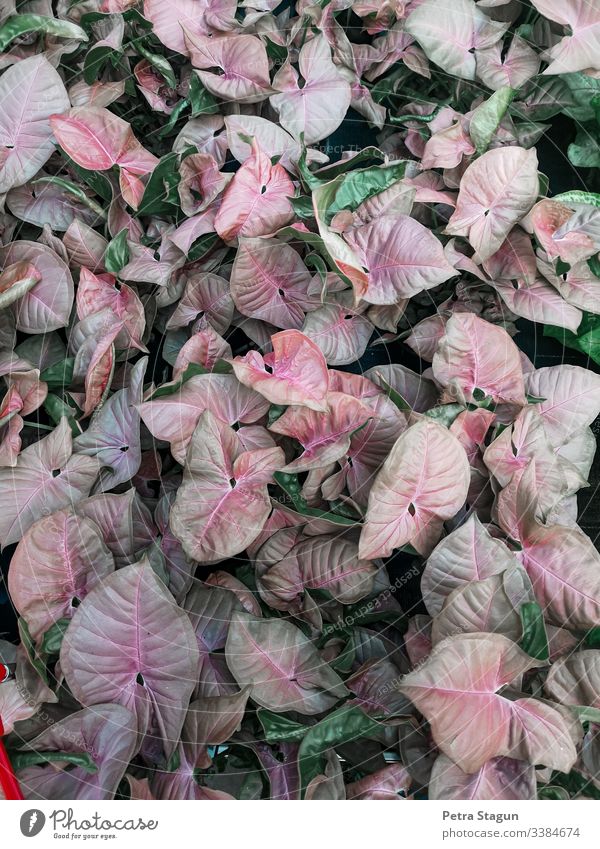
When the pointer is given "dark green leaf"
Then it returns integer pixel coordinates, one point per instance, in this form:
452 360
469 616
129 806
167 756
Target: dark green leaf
160 63
95 60
534 640
52 639
116 255
291 486
60 374
201 100
344 725
278 728
160 195
18 25
358 186
20 760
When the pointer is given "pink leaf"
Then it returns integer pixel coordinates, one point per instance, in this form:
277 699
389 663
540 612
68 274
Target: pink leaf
295 373
45 478
319 107
423 481
223 502
514 69
474 354
174 417
150 638
402 258
58 561
467 554
497 190
47 306
449 33
270 281
325 437
107 732
30 91
457 691
281 665
499 779
242 62
96 139
200 17
578 51
256 202
571 399
205 294
341 333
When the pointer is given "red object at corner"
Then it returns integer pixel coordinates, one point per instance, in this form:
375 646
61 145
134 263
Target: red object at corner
8 780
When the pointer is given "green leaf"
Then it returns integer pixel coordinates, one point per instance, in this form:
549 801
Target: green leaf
358 186
534 640
116 255
553 793
583 90
592 639
314 179
586 340
160 63
60 374
74 190
277 52
445 414
344 725
275 412
37 661
291 486
201 100
594 265
95 59
20 760
577 196
160 195
486 117
52 639
394 396
193 369
279 729
303 207
174 117
18 25
96 180
57 407
202 247
584 152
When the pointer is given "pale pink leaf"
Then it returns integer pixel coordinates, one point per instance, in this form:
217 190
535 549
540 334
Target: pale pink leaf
270 281
423 482
469 553
150 638
497 190
294 373
30 92
571 399
577 51
47 306
402 258
223 502
256 202
457 691
58 561
45 478
499 779
242 63
281 666
474 354
318 107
